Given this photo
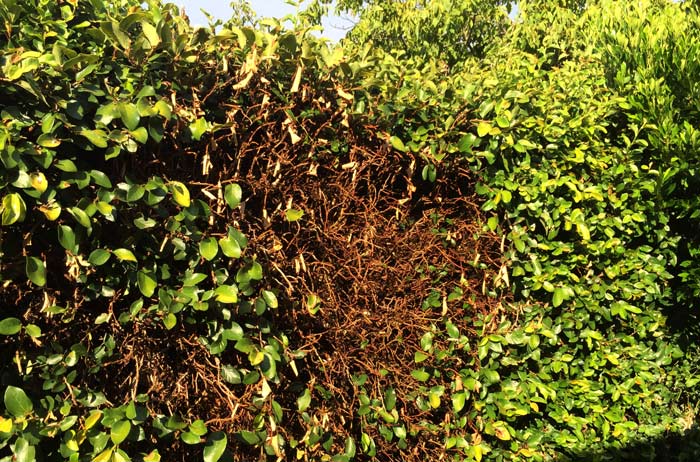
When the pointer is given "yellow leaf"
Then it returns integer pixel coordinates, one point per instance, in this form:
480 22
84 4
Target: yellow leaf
180 193
92 419
50 211
153 456
501 433
5 425
39 182
104 456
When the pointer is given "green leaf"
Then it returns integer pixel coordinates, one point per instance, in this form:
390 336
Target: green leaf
17 402
181 194
23 451
124 255
215 447
97 137
36 271
226 294
47 140
119 431
230 247
190 438
251 438
169 321
81 217
147 283
198 128
140 135
233 195
99 257
151 34
13 209
198 427
66 165
458 401
129 115
66 237
350 447
10 326
252 270
559 296
304 400
420 374
294 215
208 248
33 330
100 179
397 144
270 299
483 129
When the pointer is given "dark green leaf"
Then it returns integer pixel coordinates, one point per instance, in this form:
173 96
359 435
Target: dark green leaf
66 237
36 271
99 257
17 402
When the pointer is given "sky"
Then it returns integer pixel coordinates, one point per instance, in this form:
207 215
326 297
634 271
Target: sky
221 9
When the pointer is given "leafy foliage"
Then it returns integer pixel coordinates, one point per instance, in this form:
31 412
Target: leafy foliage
160 186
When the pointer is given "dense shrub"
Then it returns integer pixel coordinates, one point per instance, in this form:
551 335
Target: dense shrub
249 244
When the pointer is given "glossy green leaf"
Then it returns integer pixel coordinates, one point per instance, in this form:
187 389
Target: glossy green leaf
129 115
124 255
208 248
147 283
233 195
230 247
23 451
99 257
226 294
17 402
66 237
215 447
36 271
397 144
190 438
13 209
270 299
119 431
97 137
47 140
